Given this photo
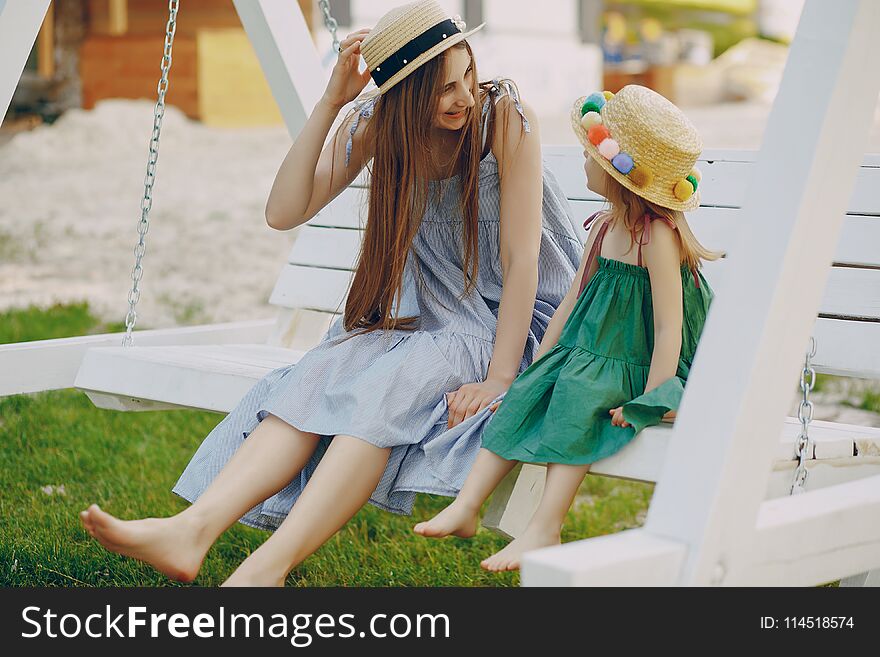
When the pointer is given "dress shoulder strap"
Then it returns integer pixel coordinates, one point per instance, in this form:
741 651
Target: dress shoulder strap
595 249
363 109
645 237
498 89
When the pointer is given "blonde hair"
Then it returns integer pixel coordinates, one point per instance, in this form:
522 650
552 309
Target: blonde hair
628 208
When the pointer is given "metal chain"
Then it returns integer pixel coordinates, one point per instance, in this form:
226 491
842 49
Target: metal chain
805 415
147 202
329 22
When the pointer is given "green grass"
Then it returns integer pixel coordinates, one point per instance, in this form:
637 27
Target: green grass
871 401
864 397
128 462
43 324
822 382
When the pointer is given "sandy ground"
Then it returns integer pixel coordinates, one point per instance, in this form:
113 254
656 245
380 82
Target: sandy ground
71 196
71 203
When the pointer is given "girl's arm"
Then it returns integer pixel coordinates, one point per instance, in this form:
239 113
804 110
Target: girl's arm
309 177
563 311
663 259
520 166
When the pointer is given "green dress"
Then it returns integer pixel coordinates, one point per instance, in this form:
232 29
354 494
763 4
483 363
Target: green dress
556 411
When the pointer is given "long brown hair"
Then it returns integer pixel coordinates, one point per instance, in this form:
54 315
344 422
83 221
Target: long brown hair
628 207
400 134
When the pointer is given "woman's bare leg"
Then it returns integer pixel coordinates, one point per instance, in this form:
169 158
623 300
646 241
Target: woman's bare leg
266 462
545 526
460 518
341 484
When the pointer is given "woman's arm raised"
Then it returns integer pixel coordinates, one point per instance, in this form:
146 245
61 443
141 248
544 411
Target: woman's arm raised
310 178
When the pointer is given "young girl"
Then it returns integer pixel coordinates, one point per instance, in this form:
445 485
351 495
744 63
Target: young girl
617 352
466 253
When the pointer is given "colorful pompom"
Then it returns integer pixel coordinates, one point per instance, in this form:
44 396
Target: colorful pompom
622 162
596 97
608 95
683 190
641 176
693 181
609 148
593 103
590 119
597 134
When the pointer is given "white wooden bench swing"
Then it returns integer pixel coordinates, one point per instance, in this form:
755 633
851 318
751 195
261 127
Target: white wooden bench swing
721 513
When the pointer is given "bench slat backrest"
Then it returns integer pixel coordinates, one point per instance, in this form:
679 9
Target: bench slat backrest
318 273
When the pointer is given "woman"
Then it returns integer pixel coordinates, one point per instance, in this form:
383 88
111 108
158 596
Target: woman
465 257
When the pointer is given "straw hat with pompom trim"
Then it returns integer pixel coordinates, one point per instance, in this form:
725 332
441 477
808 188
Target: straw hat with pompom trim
407 37
644 142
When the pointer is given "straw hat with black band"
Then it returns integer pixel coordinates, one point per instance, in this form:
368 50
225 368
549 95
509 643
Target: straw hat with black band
407 37
644 142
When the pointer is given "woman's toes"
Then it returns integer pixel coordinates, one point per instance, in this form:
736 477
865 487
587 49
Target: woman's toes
94 513
98 516
159 542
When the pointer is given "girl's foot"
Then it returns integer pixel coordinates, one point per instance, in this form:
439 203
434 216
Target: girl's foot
170 545
509 557
456 520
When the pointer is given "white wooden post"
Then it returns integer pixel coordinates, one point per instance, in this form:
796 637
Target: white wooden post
280 37
515 500
701 525
20 22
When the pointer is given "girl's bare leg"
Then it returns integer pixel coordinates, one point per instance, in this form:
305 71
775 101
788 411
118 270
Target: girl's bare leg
460 518
266 462
341 484
545 526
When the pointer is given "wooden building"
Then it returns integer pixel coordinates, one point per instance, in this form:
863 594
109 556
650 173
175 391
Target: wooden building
114 50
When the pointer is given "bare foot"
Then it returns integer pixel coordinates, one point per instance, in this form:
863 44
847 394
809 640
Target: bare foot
244 580
509 557
456 520
87 522
248 575
169 545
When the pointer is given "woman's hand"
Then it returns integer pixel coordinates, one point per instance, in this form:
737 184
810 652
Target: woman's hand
471 398
345 81
617 417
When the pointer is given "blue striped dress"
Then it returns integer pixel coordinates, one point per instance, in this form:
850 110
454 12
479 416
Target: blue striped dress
388 388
